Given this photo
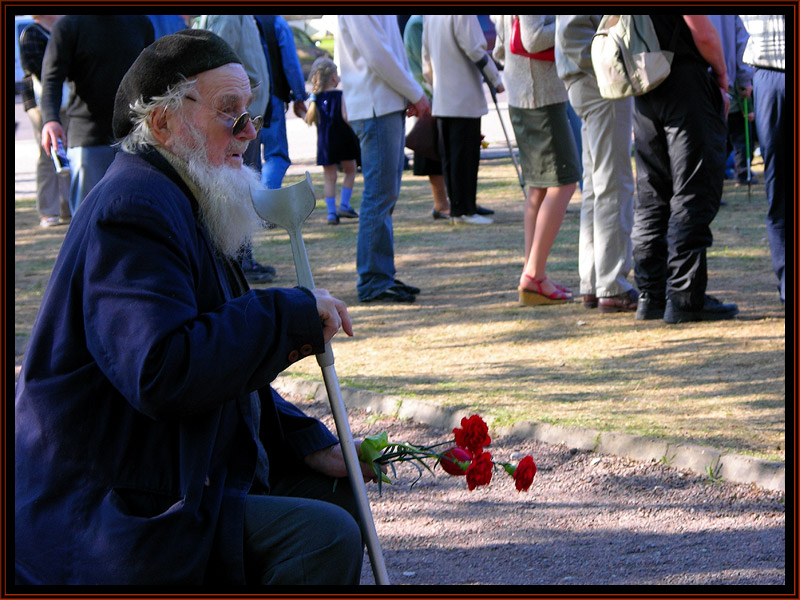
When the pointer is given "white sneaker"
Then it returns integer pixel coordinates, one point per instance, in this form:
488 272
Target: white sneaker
472 220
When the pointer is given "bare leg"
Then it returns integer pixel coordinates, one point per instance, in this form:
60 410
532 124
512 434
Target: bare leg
544 213
350 167
440 202
331 173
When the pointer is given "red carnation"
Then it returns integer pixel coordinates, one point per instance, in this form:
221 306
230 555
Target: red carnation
455 461
480 471
524 473
473 434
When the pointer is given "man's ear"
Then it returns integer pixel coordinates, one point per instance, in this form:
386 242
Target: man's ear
160 126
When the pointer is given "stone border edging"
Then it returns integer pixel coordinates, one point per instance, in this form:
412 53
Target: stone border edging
699 459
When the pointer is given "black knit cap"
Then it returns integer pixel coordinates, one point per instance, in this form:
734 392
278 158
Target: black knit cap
165 62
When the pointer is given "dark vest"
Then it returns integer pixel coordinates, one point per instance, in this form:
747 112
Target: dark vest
278 81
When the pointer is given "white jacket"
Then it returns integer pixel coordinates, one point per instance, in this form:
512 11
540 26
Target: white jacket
373 66
451 45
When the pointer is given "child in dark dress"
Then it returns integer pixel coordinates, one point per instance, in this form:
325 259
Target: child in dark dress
337 144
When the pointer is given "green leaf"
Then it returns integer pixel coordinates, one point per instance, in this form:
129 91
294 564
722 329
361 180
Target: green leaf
372 445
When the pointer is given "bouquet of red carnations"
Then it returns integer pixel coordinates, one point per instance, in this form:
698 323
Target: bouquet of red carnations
463 456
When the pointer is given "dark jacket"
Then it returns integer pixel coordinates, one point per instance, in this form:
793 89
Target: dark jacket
93 52
135 444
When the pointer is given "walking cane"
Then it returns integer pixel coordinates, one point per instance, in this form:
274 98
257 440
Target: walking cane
480 64
289 207
746 143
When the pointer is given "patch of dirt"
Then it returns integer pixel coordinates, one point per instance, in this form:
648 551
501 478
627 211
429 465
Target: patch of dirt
588 519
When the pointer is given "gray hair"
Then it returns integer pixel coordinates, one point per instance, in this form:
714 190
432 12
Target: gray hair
141 136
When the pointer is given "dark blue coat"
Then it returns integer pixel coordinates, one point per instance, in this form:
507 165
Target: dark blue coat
135 443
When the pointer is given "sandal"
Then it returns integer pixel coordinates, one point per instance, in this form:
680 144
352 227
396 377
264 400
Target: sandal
535 298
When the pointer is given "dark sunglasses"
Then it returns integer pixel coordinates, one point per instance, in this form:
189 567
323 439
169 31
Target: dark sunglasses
239 123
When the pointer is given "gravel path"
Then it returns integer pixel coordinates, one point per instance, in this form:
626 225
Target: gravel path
588 519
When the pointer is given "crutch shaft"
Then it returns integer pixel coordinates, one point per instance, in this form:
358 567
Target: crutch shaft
326 362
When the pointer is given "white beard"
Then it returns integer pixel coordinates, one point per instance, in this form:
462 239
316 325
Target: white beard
226 209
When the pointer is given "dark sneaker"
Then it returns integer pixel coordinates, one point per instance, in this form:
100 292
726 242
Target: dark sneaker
483 211
258 276
347 213
409 289
650 308
393 294
259 268
713 310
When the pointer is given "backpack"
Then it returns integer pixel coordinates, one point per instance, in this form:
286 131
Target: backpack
627 58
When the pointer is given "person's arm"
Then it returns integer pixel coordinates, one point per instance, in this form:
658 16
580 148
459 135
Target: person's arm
55 68
372 42
706 38
166 344
538 32
744 72
499 52
470 38
289 60
32 45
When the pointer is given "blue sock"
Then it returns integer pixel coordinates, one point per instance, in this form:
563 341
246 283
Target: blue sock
331 203
346 194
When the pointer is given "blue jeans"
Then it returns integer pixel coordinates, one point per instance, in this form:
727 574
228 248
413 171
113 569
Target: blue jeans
87 165
769 91
276 147
382 141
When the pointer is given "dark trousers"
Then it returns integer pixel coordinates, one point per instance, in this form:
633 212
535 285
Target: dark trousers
305 532
769 88
680 137
460 149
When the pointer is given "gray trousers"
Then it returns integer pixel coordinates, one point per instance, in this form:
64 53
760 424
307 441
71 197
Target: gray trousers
52 189
605 255
304 533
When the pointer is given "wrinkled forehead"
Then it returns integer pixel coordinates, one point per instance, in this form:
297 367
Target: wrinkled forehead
227 85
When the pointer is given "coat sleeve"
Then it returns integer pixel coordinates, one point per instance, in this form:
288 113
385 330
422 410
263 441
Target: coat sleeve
538 32
158 326
470 39
55 68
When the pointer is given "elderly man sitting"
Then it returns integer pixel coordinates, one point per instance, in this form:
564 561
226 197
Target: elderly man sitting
150 448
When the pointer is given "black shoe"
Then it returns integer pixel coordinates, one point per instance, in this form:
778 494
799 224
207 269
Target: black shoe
409 289
650 308
440 215
480 210
259 268
347 213
713 310
333 219
254 276
392 294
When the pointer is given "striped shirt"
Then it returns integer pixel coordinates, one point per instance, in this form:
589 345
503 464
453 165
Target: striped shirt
766 48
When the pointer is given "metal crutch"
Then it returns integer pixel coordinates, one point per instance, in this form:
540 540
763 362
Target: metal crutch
289 207
480 64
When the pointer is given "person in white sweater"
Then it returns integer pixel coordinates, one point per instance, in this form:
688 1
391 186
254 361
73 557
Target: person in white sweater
378 88
454 57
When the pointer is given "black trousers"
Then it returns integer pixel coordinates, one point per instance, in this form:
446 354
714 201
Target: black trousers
460 149
680 141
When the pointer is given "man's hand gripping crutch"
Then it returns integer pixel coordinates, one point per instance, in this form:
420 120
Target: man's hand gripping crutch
289 207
